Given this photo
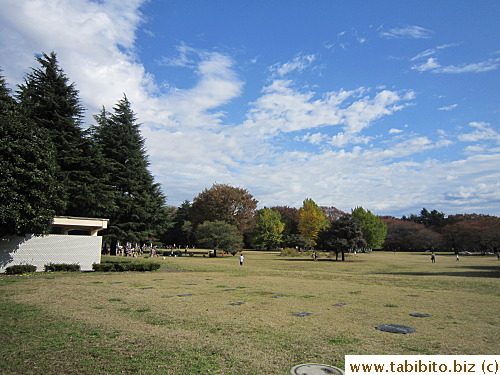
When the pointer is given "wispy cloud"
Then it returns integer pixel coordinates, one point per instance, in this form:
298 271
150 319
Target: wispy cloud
433 51
448 107
433 66
483 132
297 64
407 32
480 67
430 64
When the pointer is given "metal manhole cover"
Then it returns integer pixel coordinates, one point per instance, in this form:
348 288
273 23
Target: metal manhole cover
316 369
302 314
395 328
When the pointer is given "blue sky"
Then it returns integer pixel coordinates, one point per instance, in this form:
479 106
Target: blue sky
389 105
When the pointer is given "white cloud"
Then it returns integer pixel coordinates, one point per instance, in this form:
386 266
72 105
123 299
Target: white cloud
430 64
298 64
94 42
283 109
426 53
433 66
483 132
315 139
433 51
480 67
448 107
395 131
413 32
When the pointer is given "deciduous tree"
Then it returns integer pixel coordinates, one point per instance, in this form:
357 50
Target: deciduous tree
268 229
404 235
374 230
219 235
290 217
342 235
472 232
311 220
222 202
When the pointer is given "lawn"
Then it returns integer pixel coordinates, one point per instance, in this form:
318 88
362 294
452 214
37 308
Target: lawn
200 315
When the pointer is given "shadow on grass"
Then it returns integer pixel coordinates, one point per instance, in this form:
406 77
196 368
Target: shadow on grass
468 271
320 260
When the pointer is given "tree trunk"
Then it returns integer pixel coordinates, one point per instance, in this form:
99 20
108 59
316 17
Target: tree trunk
112 249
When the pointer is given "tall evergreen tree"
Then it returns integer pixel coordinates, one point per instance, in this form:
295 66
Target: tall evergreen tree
52 103
28 189
138 212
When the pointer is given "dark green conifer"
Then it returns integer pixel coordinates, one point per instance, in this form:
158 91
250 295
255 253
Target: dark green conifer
52 103
28 187
138 213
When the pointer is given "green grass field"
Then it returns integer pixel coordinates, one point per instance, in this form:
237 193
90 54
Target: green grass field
200 315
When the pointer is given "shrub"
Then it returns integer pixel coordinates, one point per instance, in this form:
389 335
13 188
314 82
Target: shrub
125 266
62 267
290 252
19 269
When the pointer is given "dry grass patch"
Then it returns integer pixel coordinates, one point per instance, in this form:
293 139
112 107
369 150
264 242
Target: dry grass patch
189 323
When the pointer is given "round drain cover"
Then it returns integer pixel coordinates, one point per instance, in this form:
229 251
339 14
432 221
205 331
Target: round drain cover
420 315
395 328
316 369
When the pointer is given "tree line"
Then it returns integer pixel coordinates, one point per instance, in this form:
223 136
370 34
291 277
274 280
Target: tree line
51 166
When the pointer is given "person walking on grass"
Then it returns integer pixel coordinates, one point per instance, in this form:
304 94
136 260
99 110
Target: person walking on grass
433 258
242 258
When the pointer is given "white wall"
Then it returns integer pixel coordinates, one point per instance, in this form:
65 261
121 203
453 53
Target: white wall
54 248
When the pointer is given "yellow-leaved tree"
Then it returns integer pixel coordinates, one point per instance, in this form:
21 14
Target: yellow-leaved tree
311 220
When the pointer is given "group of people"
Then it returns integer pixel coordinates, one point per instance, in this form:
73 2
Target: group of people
130 251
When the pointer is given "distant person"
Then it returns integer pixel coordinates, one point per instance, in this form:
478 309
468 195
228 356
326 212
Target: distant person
433 258
457 258
242 258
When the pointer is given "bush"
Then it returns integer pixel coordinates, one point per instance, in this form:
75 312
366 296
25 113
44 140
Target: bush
62 267
20 269
290 252
125 266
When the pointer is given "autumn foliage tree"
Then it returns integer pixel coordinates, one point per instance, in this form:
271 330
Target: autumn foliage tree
311 220
222 202
405 235
472 233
